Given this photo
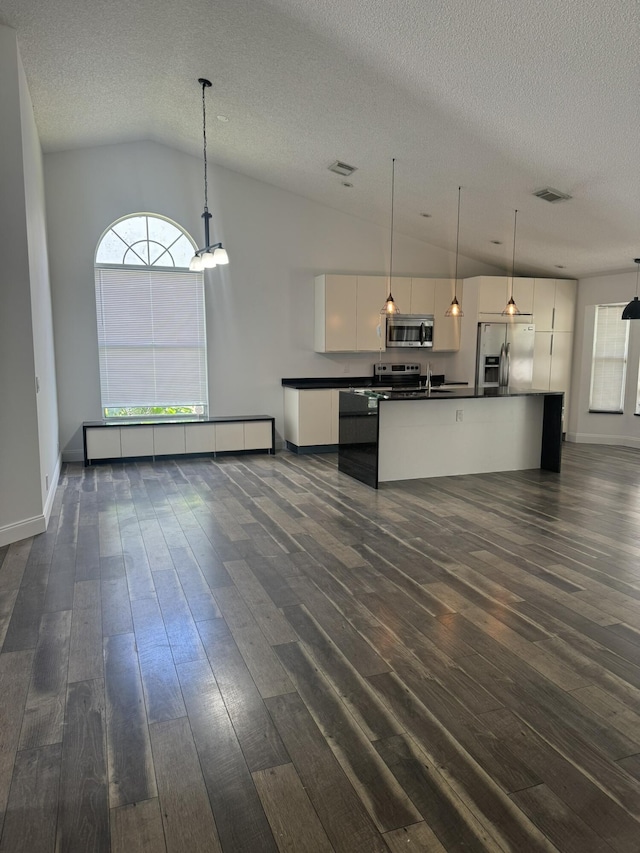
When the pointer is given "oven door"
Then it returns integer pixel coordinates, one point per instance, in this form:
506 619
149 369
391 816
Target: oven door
404 331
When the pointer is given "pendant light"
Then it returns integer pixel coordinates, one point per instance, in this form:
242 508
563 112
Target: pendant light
455 309
390 308
511 309
206 258
632 310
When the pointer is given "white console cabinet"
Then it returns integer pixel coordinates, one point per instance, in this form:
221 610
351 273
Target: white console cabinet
103 440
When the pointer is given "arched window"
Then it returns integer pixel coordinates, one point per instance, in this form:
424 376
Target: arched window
151 321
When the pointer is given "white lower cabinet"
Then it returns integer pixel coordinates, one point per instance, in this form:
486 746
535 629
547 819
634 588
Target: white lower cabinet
552 356
168 440
103 443
132 440
311 416
257 435
229 437
200 438
136 441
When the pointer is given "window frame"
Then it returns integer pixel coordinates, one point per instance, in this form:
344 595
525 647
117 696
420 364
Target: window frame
155 274
616 309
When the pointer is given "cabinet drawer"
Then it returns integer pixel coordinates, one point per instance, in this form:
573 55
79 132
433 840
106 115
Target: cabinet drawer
257 435
229 437
168 440
137 441
200 438
103 443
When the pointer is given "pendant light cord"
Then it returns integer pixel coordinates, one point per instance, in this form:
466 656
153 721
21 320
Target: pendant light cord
455 282
393 179
637 275
204 137
513 260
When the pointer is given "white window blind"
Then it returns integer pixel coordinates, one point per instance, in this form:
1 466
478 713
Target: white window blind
151 337
609 361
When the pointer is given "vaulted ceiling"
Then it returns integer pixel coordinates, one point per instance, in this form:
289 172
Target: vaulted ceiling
502 97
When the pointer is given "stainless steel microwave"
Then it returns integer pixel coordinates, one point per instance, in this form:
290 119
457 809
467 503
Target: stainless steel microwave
410 330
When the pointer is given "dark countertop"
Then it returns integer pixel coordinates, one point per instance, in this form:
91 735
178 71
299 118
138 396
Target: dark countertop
452 394
347 382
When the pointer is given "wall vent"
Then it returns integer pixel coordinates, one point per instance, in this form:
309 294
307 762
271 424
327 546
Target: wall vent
549 194
343 169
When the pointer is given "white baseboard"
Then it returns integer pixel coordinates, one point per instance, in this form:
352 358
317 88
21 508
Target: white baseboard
22 529
598 438
53 485
27 527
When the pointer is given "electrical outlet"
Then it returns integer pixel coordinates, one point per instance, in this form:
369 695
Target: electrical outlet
459 414
347 368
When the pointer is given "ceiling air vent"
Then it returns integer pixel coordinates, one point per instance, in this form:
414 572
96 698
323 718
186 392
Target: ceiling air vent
343 169
549 194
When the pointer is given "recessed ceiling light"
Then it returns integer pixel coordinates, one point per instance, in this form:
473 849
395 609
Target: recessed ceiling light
346 184
497 242
426 215
222 118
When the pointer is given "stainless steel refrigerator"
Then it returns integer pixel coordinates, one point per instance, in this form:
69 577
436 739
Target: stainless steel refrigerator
505 355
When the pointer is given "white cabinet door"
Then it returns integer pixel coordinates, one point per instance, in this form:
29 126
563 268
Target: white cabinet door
103 443
493 294
292 415
335 309
137 441
168 440
402 296
257 435
230 436
523 290
542 361
565 305
544 295
560 377
370 299
315 417
423 295
335 416
446 330
200 438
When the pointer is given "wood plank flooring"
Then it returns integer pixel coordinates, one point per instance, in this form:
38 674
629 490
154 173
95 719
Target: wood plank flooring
258 654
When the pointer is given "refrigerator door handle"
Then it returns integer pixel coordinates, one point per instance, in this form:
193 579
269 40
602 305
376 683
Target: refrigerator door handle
507 365
501 365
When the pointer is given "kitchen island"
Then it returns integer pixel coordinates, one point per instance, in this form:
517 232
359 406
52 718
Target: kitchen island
438 433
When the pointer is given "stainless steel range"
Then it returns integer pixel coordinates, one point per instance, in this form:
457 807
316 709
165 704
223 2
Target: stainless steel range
391 375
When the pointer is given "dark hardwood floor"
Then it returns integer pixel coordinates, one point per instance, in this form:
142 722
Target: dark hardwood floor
259 654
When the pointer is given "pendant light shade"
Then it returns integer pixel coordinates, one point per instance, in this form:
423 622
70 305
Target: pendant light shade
213 253
511 309
455 309
632 310
390 308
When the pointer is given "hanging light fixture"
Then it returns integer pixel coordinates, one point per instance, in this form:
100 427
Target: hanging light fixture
390 308
511 309
213 254
632 310
455 309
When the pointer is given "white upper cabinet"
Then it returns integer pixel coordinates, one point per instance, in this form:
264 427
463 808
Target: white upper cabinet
554 304
493 293
523 290
335 313
370 297
402 295
423 294
565 305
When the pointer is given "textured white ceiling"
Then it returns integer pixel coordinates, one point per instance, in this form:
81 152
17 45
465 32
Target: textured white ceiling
501 96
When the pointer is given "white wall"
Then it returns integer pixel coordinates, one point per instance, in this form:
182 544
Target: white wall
600 428
259 308
20 486
41 315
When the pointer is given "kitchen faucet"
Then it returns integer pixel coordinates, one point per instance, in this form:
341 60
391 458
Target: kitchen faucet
427 383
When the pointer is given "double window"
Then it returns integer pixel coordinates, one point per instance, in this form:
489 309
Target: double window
609 360
151 320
